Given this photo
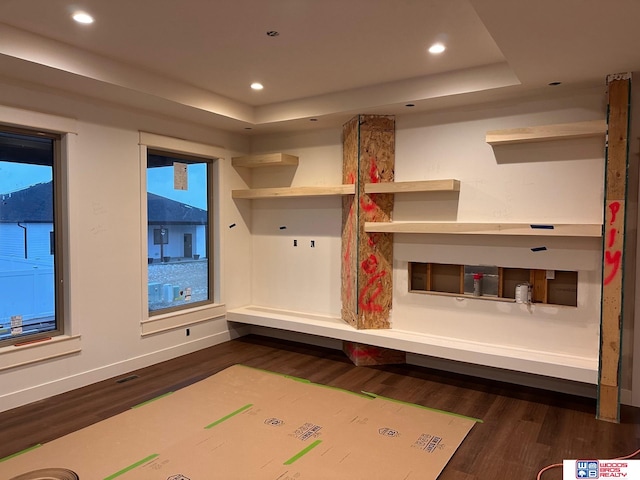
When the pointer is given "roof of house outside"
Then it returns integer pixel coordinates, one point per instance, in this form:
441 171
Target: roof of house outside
35 205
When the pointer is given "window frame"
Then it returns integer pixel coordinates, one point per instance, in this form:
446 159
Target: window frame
185 315
60 227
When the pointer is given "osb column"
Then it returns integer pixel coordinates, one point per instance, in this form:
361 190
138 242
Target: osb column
616 166
367 259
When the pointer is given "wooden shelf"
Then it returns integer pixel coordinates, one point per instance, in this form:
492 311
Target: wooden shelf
594 128
255 193
267 160
448 185
522 229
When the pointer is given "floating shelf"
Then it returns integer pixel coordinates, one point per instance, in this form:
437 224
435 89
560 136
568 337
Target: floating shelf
448 185
594 128
559 365
522 229
267 160
254 193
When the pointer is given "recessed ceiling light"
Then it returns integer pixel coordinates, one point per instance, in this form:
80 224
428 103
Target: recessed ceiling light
248 128
436 48
257 86
410 105
82 17
313 119
272 33
555 84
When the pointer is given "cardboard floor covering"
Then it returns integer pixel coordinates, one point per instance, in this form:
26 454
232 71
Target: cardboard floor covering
247 424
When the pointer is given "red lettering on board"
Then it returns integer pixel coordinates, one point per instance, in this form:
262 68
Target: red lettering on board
370 305
615 208
614 262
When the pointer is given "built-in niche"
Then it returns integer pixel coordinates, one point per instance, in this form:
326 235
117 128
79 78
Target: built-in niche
555 287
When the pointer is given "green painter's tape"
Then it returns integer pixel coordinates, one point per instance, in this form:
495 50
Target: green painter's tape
373 395
240 410
131 467
20 453
152 400
297 379
303 452
361 395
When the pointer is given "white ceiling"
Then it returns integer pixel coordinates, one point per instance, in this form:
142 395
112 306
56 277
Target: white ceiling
195 59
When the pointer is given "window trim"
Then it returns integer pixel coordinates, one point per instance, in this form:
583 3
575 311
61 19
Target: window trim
171 319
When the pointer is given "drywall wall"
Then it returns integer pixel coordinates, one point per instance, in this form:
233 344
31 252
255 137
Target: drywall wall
548 182
106 268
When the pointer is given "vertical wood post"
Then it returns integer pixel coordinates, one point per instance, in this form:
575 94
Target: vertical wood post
616 165
367 258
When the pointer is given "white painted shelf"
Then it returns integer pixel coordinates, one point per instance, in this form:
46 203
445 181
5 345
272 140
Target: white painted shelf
254 193
266 160
557 365
594 128
522 229
447 185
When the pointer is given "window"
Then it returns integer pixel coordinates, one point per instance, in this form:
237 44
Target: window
545 286
30 226
179 270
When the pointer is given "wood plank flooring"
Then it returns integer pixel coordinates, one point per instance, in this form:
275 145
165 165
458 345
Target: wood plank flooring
524 429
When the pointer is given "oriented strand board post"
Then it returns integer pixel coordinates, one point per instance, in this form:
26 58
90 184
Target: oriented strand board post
367 258
617 163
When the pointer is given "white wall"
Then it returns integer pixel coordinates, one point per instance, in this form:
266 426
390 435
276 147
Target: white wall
548 182
106 269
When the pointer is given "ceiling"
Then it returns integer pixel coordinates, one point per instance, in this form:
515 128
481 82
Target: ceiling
195 59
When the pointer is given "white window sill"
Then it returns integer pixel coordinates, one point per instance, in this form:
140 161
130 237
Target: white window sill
182 318
56 347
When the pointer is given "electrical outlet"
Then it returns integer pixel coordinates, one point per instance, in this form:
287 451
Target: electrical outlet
188 332
295 243
313 243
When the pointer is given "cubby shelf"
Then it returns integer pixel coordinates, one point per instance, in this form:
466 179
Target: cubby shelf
283 192
447 185
266 160
594 128
522 229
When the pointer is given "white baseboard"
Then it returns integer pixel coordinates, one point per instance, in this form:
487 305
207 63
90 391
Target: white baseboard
82 379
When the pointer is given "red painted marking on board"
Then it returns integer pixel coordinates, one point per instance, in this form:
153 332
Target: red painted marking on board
615 208
367 204
370 264
612 259
370 305
373 170
612 237
351 178
614 262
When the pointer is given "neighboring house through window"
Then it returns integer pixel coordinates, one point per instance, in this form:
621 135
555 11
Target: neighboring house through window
179 267
30 271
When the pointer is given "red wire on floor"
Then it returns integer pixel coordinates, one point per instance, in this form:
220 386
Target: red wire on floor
555 465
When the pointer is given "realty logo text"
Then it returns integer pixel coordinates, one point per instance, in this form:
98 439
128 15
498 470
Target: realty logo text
596 469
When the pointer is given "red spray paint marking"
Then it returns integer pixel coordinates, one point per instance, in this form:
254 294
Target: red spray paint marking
367 204
370 265
614 261
370 305
351 178
615 208
373 171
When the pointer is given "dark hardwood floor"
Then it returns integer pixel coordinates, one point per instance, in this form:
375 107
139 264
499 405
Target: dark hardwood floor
524 429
